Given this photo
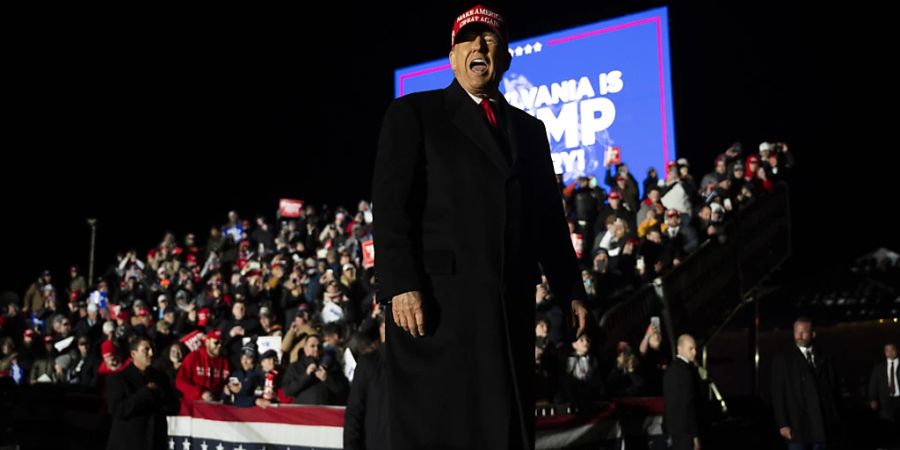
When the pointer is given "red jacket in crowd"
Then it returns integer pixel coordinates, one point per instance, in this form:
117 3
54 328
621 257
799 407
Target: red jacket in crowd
200 372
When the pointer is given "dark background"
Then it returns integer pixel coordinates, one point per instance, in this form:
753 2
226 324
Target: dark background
165 120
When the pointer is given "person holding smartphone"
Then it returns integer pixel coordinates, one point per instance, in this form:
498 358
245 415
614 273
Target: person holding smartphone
654 360
240 389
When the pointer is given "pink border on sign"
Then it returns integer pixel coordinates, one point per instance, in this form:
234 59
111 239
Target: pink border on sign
420 72
659 55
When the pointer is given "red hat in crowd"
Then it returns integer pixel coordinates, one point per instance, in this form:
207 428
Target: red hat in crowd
753 159
191 257
28 333
615 194
123 314
479 15
107 348
202 317
214 334
143 312
671 213
48 339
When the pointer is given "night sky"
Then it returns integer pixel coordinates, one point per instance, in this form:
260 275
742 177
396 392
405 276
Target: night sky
164 120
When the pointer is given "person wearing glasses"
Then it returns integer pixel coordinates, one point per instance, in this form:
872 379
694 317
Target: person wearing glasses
204 372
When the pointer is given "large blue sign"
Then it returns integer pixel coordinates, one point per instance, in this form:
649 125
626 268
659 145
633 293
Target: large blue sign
597 86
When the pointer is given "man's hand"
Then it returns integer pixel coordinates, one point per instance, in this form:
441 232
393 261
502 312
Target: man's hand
408 314
263 403
321 374
541 292
579 317
376 309
697 443
655 340
207 396
311 368
786 433
152 386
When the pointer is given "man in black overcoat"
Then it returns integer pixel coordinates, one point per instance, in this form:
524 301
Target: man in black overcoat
139 398
804 392
468 214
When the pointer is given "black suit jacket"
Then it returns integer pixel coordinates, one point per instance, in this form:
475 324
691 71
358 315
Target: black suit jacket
456 221
805 399
365 426
878 390
682 394
139 413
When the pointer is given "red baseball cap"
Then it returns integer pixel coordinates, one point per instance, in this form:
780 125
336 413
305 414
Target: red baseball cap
202 316
107 348
214 334
28 333
615 194
480 15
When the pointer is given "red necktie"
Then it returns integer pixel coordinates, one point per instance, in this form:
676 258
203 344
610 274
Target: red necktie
489 112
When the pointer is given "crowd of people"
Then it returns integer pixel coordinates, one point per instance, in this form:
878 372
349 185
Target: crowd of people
204 304
207 310
630 233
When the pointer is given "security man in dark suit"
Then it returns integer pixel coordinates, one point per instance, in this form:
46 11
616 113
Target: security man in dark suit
139 398
683 397
804 392
884 394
